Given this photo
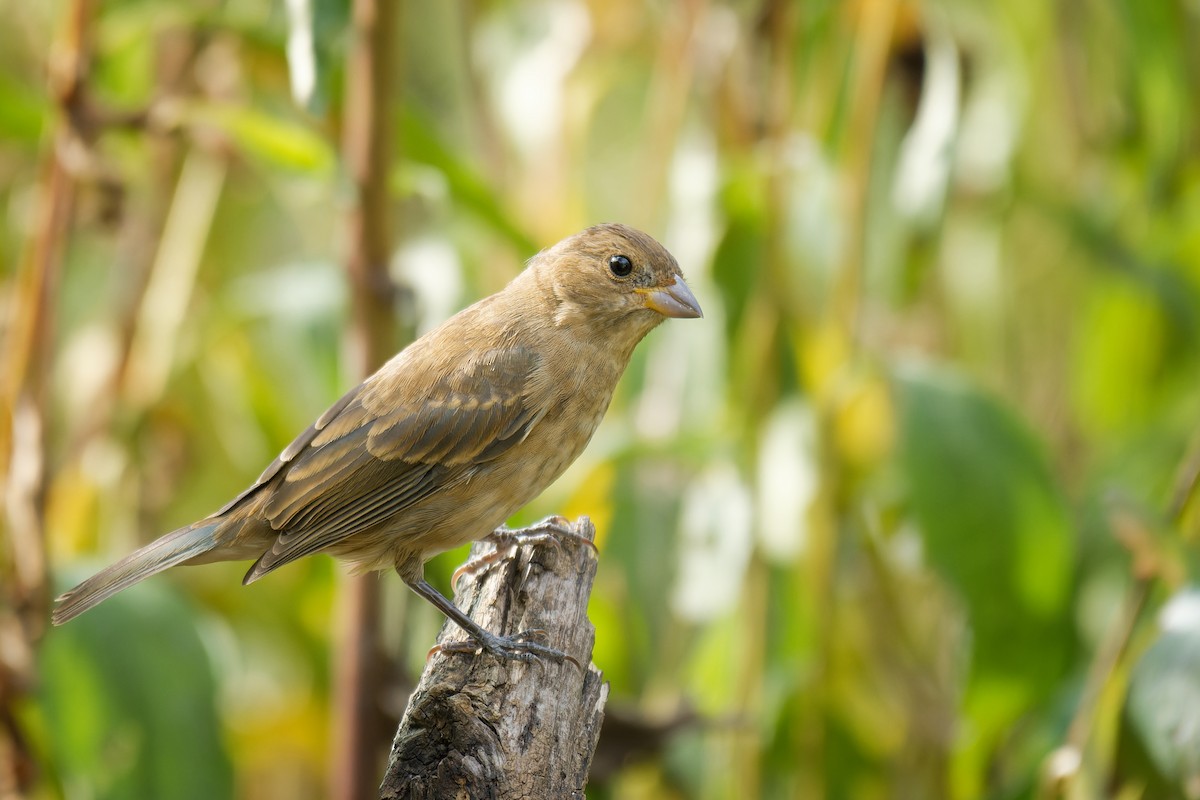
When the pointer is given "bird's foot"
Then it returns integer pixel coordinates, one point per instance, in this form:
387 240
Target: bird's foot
553 530
527 646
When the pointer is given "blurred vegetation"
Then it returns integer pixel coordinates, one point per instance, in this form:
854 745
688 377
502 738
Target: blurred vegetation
909 514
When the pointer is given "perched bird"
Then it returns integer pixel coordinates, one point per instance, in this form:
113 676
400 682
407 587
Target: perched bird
450 437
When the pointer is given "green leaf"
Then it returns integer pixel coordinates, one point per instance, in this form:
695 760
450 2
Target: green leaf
128 697
737 263
278 141
995 526
418 143
22 111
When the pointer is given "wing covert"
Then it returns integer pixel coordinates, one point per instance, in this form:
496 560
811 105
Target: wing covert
389 444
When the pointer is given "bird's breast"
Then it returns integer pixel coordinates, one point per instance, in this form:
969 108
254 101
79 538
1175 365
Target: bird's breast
563 433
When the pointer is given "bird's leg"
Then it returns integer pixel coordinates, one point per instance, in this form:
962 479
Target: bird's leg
514 648
554 529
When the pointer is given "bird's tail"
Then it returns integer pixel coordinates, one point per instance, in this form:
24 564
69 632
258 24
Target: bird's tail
166 551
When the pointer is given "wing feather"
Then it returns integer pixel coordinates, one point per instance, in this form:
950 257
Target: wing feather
384 447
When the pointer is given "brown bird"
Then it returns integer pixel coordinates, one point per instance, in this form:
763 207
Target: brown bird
450 437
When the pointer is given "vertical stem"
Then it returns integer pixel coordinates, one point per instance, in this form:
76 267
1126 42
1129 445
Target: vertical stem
872 41
360 735
24 384
358 662
367 145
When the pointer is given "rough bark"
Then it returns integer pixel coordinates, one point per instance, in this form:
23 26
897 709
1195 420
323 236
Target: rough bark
481 727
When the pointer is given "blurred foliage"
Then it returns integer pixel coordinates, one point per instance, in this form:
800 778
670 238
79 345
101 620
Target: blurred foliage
909 514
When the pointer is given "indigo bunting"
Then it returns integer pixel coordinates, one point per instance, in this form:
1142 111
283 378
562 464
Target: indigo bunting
450 437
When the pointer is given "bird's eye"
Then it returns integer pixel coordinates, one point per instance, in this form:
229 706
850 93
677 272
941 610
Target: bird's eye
620 266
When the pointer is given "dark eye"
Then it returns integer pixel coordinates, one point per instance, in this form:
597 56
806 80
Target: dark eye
620 266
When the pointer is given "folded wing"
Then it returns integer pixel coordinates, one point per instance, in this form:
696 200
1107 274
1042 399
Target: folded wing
389 444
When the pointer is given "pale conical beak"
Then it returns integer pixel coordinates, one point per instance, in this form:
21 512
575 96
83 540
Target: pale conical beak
675 300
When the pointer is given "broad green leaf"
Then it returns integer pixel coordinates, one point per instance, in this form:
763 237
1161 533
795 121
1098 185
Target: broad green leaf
994 525
128 699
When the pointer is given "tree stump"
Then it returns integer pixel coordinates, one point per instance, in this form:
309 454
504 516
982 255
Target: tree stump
481 727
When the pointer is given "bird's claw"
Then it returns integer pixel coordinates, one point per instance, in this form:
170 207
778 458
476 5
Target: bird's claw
526 646
553 530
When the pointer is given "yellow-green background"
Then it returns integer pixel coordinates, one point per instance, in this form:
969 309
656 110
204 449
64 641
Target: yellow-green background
870 529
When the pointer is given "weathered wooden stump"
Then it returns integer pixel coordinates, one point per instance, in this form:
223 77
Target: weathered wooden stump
481 727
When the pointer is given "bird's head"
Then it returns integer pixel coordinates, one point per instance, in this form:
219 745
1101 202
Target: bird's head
614 275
